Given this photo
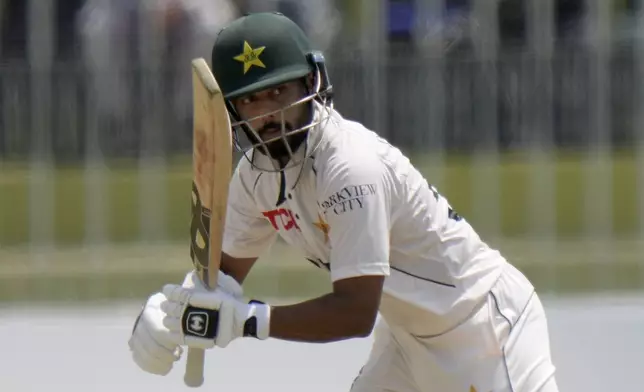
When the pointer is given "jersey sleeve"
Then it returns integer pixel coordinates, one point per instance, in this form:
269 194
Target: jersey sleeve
355 202
247 233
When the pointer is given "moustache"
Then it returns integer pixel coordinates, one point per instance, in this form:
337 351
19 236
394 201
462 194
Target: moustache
273 126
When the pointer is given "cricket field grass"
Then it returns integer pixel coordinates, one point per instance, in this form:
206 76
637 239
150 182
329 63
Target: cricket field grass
122 186
126 272
128 266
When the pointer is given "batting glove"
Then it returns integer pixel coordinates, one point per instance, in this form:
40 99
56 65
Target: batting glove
152 348
206 319
151 343
225 283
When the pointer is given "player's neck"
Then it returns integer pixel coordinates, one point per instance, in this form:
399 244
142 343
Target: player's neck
282 161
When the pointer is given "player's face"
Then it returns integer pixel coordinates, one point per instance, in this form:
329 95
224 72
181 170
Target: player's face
264 112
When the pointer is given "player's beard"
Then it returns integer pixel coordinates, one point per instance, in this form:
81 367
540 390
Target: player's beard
284 138
278 148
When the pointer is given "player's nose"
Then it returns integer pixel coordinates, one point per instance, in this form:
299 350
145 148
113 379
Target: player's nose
269 118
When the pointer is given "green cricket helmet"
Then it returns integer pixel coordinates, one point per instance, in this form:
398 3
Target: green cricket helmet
259 51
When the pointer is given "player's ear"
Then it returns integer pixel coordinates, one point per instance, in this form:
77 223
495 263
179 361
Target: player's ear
309 80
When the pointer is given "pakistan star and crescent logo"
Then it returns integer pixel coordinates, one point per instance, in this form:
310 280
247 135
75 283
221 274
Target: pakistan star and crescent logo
250 57
324 227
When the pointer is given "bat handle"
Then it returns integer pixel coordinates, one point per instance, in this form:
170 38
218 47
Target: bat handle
194 367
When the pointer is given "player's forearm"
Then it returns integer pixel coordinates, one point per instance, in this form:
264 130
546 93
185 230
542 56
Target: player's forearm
237 268
325 319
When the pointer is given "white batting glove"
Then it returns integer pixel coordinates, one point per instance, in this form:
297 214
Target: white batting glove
151 344
152 348
225 283
207 319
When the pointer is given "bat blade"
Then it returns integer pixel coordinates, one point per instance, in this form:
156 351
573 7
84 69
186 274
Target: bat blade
212 169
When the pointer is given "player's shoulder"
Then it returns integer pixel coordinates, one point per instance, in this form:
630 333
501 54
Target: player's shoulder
351 154
350 147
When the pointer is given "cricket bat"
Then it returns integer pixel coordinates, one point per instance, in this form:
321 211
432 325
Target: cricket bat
212 168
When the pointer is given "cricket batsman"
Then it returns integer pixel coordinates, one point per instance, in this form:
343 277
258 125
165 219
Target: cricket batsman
456 316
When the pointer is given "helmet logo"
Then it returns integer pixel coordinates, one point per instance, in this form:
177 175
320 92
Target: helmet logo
250 57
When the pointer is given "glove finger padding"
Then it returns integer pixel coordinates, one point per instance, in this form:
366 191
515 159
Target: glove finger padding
142 340
151 321
151 366
144 357
150 343
207 300
226 330
173 324
172 310
176 293
224 282
230 285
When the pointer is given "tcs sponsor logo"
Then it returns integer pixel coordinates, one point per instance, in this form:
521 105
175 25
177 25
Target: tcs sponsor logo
282 219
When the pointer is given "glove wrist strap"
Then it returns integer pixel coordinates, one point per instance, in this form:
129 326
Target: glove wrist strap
257 325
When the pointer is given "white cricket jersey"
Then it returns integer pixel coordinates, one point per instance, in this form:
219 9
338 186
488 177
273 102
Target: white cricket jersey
357 207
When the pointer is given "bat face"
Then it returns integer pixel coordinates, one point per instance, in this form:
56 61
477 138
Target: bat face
212 168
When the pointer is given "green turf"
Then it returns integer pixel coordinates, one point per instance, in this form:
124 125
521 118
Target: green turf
123 201
134 271
514 171
572 264
288 282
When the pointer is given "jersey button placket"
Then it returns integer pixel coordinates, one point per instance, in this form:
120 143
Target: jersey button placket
296 215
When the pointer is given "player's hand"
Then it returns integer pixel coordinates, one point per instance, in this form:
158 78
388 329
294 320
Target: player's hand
203 319
152 347
225 283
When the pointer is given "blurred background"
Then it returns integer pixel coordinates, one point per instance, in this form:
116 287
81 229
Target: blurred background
526 114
